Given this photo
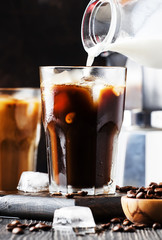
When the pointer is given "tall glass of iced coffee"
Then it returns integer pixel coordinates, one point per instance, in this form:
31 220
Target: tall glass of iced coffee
20 116
82 110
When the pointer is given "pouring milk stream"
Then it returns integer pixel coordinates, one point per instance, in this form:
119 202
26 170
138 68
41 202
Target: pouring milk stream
130 27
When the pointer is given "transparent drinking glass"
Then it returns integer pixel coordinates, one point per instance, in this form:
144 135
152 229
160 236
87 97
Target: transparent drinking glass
20 117
82 110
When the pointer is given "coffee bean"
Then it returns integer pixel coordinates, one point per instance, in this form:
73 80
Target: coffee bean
33 229
82 193
139 225
9 227
22 225
156 226
106 225
157 196
12 225
70 195
117 228
150 192
115 220
158 190
56 194
149 196
17 230
160 185
153 184
99 230
129 229
140 195
39 225
117 188
141 189
126 222
43 226
131 194
148 188
15 222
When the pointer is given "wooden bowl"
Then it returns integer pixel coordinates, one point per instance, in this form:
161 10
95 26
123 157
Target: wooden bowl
142 211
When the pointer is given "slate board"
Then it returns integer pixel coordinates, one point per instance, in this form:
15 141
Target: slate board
42 207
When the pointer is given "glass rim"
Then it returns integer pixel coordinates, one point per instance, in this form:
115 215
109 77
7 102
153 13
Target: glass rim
81 67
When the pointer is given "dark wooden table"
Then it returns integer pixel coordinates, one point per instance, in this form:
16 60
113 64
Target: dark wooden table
30 208
146 234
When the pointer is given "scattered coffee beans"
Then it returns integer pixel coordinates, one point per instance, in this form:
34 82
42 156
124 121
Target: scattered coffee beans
17 227
79 193
70 195
116 224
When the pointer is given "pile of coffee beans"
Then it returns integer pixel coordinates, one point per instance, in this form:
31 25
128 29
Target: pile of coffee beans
153 191
17 227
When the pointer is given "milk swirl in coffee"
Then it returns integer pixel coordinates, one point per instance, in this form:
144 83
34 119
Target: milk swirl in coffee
19 137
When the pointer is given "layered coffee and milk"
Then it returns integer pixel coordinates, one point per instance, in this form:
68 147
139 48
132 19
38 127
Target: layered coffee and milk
19 137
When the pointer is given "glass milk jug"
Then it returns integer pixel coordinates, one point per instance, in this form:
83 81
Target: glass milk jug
130 27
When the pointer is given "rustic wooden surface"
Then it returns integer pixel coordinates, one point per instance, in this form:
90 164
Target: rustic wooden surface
38 207
145 234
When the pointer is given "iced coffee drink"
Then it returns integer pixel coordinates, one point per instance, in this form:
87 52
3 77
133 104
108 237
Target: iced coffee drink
20 111
82 120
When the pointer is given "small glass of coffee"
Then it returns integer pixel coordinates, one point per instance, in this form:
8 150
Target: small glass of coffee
20 118
82 109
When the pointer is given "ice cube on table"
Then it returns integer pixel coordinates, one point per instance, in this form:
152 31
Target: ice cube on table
76 218
33 182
